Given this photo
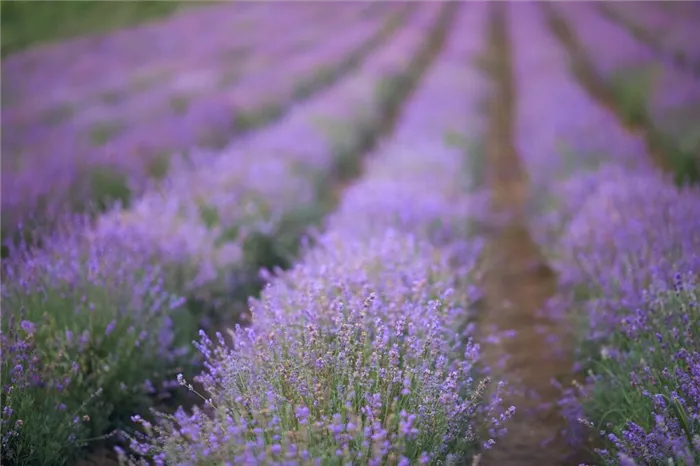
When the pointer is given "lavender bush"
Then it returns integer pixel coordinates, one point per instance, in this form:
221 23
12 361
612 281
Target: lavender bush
645 392
632 254
359 353
88 330
352 357
41 421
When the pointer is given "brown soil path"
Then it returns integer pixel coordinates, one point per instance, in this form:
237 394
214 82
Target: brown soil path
517 282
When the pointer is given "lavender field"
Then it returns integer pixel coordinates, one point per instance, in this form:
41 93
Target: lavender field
355 233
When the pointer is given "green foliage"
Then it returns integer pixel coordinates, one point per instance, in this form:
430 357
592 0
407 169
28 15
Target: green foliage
41 425
631 88
25 24
107 187
679 137
158 165
179 104
648 364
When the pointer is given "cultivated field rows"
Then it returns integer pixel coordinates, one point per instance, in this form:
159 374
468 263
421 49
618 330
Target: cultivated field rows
362 297
674 34
374 260
268 176
99 156
650 93
623 240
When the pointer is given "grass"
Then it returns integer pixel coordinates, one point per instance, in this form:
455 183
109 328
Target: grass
25 24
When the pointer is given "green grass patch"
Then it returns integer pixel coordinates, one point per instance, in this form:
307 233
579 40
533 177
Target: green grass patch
246 120
112 97
25 24
159 165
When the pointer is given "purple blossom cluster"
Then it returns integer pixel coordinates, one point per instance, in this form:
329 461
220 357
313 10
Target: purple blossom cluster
189 102
632 253
358 354
42 385
347 361
87 328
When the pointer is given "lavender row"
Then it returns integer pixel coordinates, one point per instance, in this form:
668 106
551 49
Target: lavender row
82 173
84 69
674 34
269 177
91 324
353 354
631 259
559 146
625 244
219 62
644 88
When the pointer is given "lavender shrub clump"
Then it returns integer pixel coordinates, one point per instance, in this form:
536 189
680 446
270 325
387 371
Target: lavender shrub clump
352 358
88 333
33 385
356 355
646 394
560 148
632 255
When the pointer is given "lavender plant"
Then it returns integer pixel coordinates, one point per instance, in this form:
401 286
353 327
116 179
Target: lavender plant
82 318
41 422
214 251
626 248
646 387
352 357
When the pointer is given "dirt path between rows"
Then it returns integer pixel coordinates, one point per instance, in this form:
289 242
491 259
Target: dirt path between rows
516 283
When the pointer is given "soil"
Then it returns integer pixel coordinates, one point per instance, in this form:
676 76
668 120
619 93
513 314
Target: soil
516 283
